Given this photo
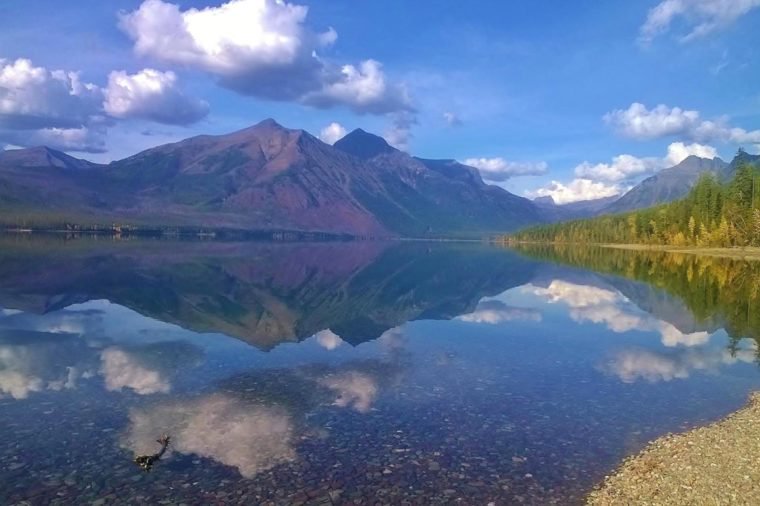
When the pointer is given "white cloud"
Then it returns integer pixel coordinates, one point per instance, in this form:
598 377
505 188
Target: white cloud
122 370
365 89
627 167
151 95
89 139
332 133
34 97
600 180
261 48
576 190
250 437
678 152
702 16
452 119
623 167
50 107
328 339
243 42
354 389
498 169
638 122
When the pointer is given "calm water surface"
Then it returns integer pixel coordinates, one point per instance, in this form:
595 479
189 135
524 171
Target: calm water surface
353 373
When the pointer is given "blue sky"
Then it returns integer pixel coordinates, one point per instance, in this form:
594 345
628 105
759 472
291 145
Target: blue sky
574 99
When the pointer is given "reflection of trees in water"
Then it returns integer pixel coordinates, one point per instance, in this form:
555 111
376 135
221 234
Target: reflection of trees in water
715 289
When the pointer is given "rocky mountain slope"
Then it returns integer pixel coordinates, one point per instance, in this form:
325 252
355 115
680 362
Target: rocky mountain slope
265 177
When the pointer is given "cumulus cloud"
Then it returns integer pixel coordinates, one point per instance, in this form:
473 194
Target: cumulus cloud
628 167
576 190
56 108
622 167
365 89
701 16
250 437
493 312
639 122
89 139
498 169
50 107
354 389
34 97
151 95
261 48
328 339
678 152
452 119
598 180
332 133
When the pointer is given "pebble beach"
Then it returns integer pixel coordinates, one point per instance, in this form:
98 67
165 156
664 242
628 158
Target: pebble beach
712 465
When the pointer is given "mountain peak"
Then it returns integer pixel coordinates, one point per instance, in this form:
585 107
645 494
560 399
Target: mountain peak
363 144
41 156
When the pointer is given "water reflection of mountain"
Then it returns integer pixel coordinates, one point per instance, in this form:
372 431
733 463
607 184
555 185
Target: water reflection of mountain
262 293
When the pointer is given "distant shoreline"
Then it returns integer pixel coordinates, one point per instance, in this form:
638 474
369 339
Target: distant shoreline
714 464
744 253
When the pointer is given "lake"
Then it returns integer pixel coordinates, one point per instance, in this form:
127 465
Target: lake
355 372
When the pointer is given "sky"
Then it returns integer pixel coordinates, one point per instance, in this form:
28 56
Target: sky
573 100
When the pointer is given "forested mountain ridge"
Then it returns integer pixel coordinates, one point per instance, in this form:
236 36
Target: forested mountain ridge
667 185
714 213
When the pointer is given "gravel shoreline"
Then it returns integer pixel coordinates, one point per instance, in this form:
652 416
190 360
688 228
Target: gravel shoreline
712 465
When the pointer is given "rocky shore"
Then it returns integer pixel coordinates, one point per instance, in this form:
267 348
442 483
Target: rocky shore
712 465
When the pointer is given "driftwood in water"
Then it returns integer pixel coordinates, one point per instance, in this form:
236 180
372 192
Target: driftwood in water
146 461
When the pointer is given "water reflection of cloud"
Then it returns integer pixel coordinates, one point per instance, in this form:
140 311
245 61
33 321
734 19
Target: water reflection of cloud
53 352
637 364
250 437
35 361
328 339
615 311
120 369
493 311
354 389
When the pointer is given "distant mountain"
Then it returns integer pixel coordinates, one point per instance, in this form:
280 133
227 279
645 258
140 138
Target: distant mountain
265 177
434 196
667 185
553 212
42 157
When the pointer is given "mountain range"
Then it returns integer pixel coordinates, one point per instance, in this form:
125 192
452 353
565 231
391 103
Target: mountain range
265 177
270 178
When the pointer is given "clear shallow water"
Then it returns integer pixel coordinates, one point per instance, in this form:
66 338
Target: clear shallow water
343 373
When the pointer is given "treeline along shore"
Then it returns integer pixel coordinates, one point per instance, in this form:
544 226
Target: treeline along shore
713 214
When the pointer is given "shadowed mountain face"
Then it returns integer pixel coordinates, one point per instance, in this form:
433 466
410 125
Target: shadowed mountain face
434 196
265 177
262 293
